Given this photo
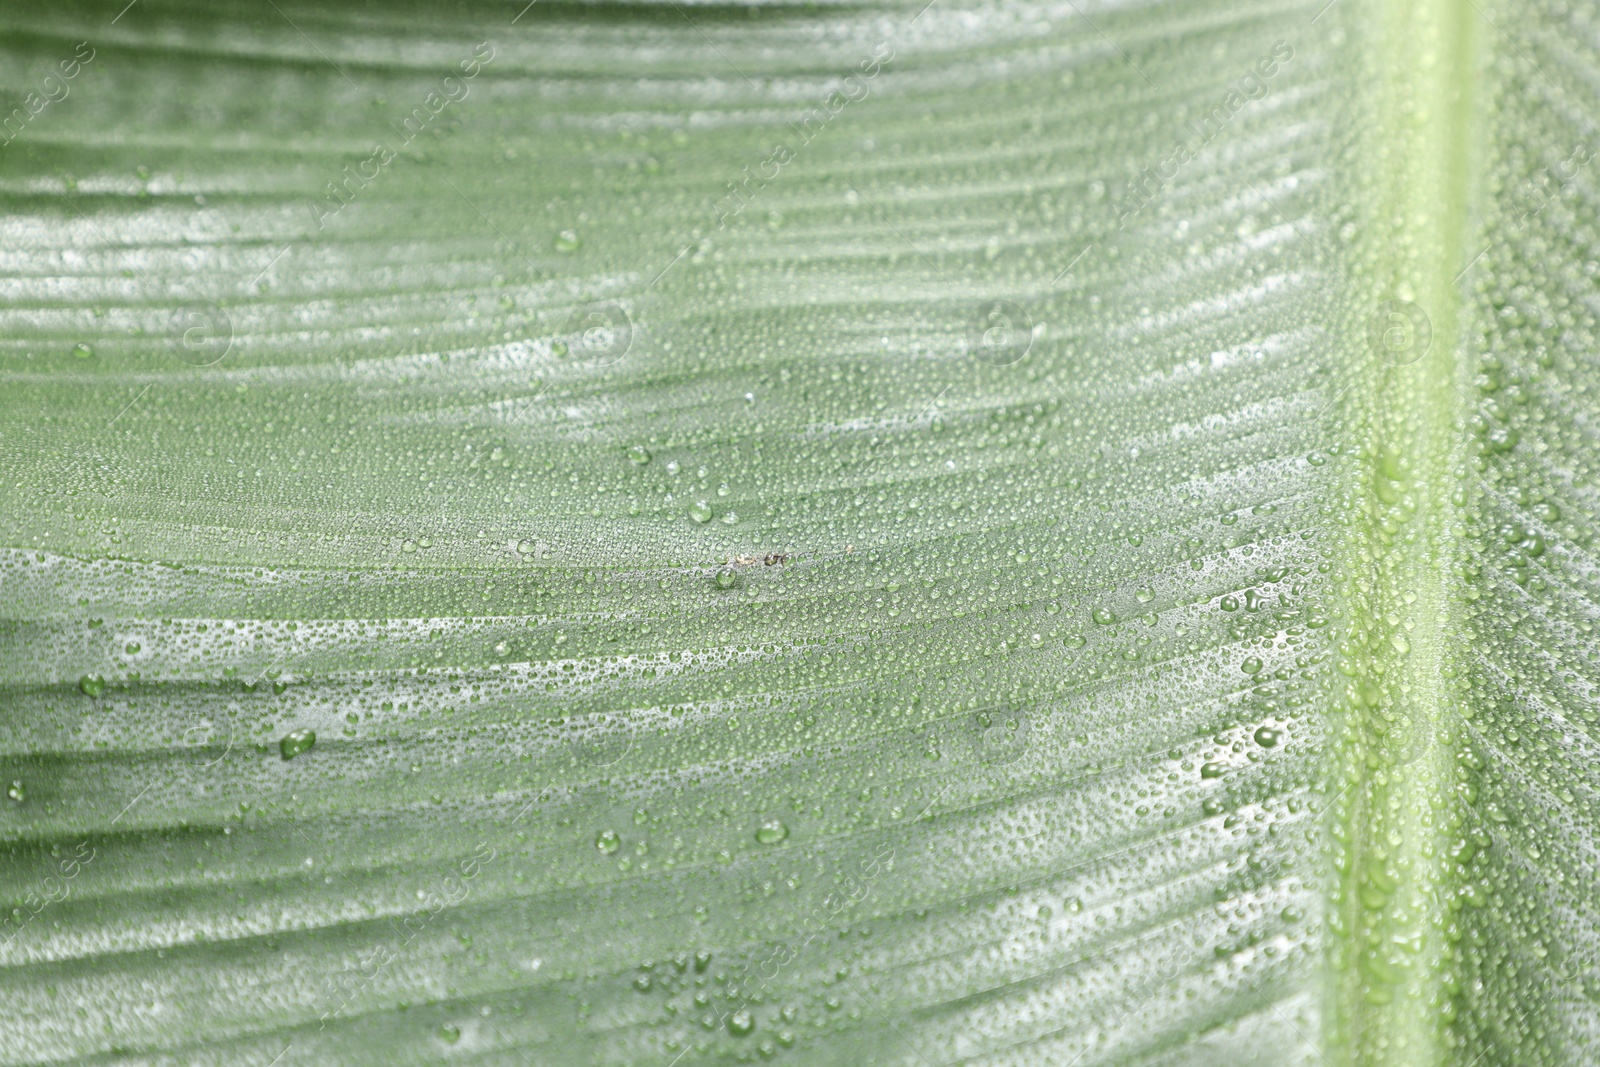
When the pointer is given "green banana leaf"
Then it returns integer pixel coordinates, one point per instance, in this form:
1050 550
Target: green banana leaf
971 531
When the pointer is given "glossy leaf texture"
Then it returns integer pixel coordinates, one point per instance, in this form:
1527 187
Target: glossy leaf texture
995 532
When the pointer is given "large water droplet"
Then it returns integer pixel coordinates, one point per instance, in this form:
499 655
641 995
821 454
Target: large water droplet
295 742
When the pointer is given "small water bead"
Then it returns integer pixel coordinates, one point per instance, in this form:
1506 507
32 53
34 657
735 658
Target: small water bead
731 518
82 350
16 792
295 742
1103 616
1229 603
92 685
638 455
608 841
726 578
741 1023
408 546
1146 595
568 241
771 832
1268 737
449 1034
1074 641
1251 665
700 512
131 647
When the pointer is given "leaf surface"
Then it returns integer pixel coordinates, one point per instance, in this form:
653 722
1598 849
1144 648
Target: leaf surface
995 533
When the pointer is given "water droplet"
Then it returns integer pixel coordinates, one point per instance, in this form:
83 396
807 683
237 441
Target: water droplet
741 1023
638 455
771 832
1103 616
700 511
295 742
449 1034
16 792
92 685
408 546
1251 665
608 841
1267 737
567 241
1212 769
131 647
1229 604
726 578
82 350
1145 595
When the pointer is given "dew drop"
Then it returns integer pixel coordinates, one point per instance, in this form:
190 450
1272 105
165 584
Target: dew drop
771 832
295 742
608 841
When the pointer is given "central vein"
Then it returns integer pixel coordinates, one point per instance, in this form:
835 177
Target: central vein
1393 804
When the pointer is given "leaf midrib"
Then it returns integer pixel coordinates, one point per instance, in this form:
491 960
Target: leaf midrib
1393 795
